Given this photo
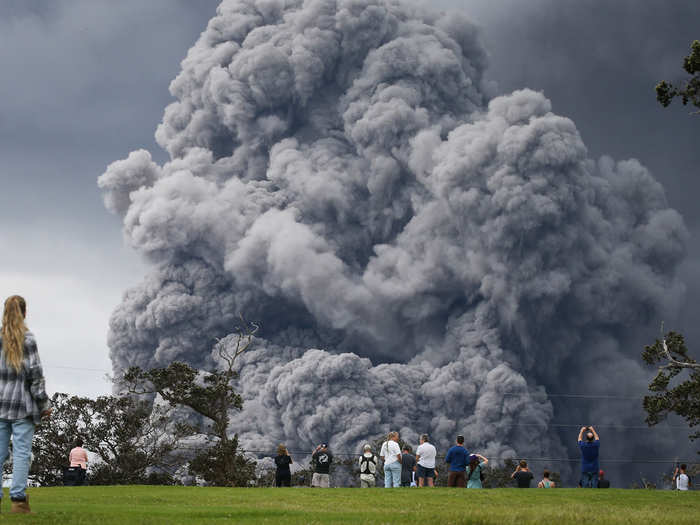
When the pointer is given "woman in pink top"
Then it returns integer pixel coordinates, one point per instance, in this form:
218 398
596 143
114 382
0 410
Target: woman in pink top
78 455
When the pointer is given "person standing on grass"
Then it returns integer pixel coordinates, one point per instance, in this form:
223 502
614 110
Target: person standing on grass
391 453
368 468
457 457
78 458
522 475
408 466
322 459
283 474
23 399
682 479
589 443
547 483
425 456
477 462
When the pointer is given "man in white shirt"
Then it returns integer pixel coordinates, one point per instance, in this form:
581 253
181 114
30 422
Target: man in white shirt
391 453
682 479
425 456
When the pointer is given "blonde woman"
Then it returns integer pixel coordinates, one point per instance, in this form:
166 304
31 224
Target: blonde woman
283 474
23 399
391 453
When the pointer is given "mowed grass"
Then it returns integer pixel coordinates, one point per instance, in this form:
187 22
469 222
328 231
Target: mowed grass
175 505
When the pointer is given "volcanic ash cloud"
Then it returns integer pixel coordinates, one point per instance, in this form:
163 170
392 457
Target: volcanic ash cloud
420 255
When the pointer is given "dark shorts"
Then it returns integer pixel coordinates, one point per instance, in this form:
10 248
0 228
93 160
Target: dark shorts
422 472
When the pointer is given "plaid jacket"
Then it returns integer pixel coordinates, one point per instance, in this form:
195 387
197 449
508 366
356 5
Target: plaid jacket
23 392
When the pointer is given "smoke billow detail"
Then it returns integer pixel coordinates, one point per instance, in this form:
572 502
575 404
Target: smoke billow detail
420 254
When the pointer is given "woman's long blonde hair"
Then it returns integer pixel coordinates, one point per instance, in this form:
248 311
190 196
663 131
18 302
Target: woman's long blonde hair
13 330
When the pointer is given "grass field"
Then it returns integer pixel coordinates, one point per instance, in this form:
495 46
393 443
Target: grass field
175 505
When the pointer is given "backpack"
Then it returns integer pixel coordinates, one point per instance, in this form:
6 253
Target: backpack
368 465
481 474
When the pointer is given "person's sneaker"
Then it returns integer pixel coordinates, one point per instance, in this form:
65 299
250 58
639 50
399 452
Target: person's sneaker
21 506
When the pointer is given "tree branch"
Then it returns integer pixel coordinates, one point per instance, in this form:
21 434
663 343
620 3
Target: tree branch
673 363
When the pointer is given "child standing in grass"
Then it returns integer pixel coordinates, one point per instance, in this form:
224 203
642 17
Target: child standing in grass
546 483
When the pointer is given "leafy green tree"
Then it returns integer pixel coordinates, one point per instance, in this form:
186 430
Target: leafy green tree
211 395
676 387
133 442
689 91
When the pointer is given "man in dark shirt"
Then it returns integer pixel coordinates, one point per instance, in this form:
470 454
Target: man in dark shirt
408 464
522 475
603 483
322 459
590 447
458 458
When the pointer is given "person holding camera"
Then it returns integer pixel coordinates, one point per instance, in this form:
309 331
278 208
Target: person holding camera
322 459
589 443
283 473
522 475
477 462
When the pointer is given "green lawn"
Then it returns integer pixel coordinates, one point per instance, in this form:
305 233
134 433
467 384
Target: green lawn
173 505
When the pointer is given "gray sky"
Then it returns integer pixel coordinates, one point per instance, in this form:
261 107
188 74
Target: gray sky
85 82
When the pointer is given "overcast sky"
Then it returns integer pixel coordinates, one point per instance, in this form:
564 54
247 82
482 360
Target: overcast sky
83 83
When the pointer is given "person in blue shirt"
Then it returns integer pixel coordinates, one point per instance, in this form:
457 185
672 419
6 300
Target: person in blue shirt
458 458
589 443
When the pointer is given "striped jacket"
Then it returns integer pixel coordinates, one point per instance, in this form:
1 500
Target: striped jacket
23 392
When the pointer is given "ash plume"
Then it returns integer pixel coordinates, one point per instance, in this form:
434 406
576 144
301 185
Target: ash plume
420 254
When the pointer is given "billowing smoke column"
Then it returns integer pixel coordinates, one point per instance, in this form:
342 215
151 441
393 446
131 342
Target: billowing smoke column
420 256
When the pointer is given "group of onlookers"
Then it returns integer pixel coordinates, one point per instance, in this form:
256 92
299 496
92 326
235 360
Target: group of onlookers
403 469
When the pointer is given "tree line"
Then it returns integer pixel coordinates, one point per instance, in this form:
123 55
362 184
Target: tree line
172 425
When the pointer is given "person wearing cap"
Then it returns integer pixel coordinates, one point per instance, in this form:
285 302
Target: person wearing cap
603 482
457 457
368 467
477 462
322 459
589 456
